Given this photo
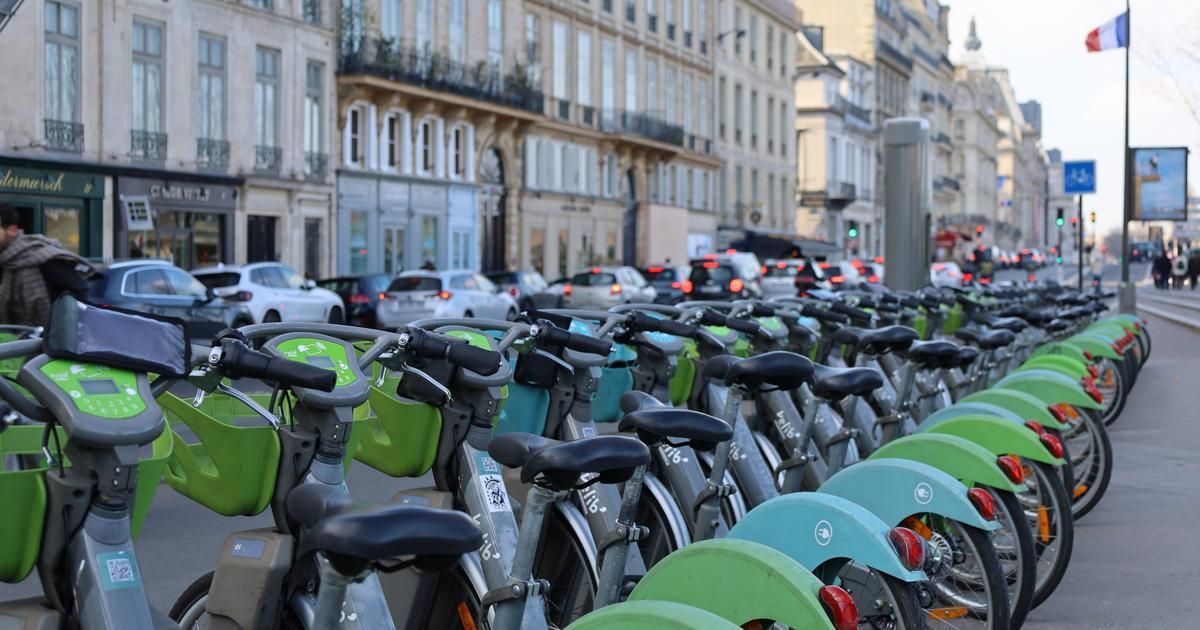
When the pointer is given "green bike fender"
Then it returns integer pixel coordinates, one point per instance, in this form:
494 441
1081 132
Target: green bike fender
1027 406
737 580
960 458
999 436
651 615
1099 346
1058 348
895 489
817 529
1112 329
1058 363
1046 385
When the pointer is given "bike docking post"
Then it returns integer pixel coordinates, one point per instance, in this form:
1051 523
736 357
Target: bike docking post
709 502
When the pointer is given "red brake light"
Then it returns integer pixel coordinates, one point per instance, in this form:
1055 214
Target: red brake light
1087 354
909 546
873 279
1035 426
711 265
1052 444
595 270
359 298
710 257
731 251
879 259
778 265
938 266
513 291
839 606
824 265
688 286
1032 277
567 290
837 279
676 285
983 502
615 289
736 285
857 264
985 280
655 269
444 295
763 271
383 296
1011 468
968 277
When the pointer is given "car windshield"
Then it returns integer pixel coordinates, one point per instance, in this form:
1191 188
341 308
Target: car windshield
783 269
710 272
415 283
220 280
593 279
660 274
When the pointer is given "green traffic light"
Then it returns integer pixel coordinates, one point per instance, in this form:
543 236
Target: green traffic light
853 233
1058 260
1059 221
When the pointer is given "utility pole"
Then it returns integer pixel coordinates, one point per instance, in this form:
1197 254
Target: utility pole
1079 249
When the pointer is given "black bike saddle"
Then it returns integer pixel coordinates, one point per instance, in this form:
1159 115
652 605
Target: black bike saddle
986 339
1011 324
655 422
353 534
784 370
558 465
878 341
837 383
966 356
935 354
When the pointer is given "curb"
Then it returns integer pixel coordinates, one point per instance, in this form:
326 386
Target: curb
1191 324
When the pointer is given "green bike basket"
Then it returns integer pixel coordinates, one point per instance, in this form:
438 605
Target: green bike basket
21 529
400 436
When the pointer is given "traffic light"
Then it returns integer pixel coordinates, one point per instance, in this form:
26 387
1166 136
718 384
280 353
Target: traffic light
1093 216
979 229
1059 220
1074 220
852 229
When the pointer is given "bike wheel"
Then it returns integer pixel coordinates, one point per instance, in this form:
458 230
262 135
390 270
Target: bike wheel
1091 458
1114 384
1048 511
565 564
191 613
457 604
966 587
1018 561
884 603
660 542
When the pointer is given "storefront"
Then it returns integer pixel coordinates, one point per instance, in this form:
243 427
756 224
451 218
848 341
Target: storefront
188 222
388 224
61 203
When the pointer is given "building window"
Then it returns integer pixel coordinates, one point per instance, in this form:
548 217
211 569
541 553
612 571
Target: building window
609 174
959 130
583 69
754 186
737 113
560 61
688 124
651 16
149 143
424 25
391 141
783 57
532 54
630 11
651 87
631 81
354 137
770 48
314 154
458 152
687 23
771 209
753 119
312 11
391 19
211 97
770 125
721 107
753 37
496 33
701 27
785 201
608 62
458 31
425 150
738 185
266 108
670 79
784 131
262 4
61 77
703 116
737 26
671 20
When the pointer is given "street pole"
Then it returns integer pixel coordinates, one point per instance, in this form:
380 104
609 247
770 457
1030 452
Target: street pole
1079 248
1128 295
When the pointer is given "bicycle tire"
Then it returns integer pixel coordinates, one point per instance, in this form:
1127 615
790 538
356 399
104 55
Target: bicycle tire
999 615
901 606
1021 590
1121 387
457 604
1090 489
573 579
189 606
1063 528
1066 473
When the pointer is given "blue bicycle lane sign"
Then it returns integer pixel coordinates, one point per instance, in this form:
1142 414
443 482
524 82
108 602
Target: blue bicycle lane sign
1079 177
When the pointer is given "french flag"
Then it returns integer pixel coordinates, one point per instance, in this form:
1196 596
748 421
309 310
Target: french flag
1113 34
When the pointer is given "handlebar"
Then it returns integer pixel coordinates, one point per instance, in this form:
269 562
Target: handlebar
641 322
239 361
551 335
423 344
712 318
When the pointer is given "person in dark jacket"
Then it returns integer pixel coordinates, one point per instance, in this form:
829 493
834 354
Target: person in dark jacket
1193 266
34 271
1161 270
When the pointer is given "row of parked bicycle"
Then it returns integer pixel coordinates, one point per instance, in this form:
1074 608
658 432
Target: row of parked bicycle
864 459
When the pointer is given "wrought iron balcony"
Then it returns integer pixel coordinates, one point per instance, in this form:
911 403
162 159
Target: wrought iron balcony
64 136
315 165
389 59
148 145
212 153
646 125
267 159
894 55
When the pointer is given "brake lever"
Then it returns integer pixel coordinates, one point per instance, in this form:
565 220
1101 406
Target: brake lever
421 374
250 402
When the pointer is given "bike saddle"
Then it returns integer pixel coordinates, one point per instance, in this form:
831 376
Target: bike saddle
837 383
986 339
1012 324
654 423
878 341
935 354
1015 310
780 369
966 356
352 535
558 465
1057 325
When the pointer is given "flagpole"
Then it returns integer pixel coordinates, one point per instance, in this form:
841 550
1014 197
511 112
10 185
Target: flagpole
1128 296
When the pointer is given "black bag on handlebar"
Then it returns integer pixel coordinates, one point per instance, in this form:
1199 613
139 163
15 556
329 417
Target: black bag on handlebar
117 337
535 370
415 387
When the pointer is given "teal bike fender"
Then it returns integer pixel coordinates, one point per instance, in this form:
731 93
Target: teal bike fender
1058 363
653 615
1050 387
895 489
960 458
823 531
737 580
999 436
1026 406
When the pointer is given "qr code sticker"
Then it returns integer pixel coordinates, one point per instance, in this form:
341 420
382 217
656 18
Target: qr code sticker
494 493
120 570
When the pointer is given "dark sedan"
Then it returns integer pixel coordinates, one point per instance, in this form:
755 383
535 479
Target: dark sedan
671 282
160 288
361 295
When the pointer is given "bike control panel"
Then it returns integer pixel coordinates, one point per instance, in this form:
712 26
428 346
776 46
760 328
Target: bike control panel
96 404
98 390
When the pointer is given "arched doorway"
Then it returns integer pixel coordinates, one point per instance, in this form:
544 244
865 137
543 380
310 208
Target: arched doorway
629 249
492 203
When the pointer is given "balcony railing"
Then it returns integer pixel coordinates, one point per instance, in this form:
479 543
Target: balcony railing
148 145
842 191
64 136
646 125
212 153
315 165
389 59
894 55
942 138
941 182
267 159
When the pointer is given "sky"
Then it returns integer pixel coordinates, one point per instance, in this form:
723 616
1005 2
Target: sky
1082 94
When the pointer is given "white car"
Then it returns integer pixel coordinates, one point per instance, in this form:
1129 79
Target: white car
945 274
273 292
415 295
605 287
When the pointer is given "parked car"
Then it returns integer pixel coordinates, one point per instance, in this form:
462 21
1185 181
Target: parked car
158 287
871 272
749 267
274 292
843 275
945 274
779 276
604 287
722 278
414 295
528 288
671 282
360 294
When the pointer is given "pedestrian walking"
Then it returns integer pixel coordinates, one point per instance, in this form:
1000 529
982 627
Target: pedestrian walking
1179 268
1194 266
34 271
1097 264
1161 270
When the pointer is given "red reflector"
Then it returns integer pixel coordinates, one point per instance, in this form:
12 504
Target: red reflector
1094 392
909 546
1094 371
1035 426
983 502
1032 278
1058 412
839 606
513 291
1052 444
1011 468
1088 355
985 280
736 285
360 298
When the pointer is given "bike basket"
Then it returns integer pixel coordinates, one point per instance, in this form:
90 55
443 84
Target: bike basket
21 529
231 464
606 406
400 436
685 375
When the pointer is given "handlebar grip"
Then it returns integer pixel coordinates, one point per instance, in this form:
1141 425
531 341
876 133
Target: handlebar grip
239 361
679 329
824 315
465 355
589 345
762 310
747 326
849 311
